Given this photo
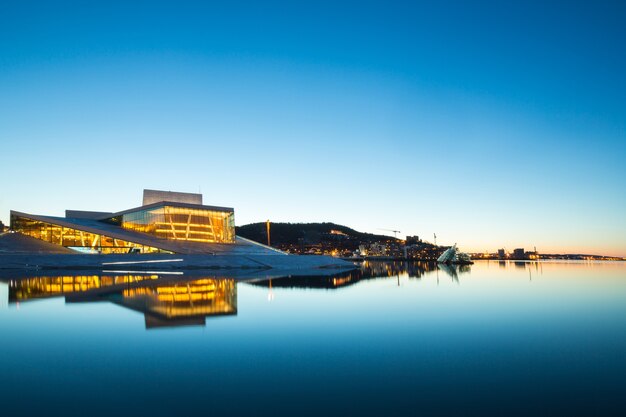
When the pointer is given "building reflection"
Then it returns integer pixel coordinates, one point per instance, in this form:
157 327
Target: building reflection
164 301
172 299
519 264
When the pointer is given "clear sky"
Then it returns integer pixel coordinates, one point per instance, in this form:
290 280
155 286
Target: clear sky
492 124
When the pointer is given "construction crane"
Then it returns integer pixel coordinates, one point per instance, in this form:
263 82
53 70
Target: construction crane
395 232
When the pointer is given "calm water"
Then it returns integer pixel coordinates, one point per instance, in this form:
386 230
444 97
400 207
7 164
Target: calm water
392 339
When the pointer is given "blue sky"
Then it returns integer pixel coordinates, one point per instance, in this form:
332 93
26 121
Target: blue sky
491 124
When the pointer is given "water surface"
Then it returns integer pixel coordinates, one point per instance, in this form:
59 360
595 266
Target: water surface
495 338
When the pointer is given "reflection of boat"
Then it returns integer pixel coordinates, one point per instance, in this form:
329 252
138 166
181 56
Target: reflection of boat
450 270
453 270
453 256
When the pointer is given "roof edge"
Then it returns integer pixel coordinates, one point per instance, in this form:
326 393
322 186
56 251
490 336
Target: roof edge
168 203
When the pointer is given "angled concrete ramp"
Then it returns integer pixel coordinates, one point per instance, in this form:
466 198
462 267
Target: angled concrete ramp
18 252
14 243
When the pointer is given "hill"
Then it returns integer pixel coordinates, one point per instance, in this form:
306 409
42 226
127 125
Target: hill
307 233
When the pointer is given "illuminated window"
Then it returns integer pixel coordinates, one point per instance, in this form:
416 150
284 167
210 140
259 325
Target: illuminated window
75 239
183 223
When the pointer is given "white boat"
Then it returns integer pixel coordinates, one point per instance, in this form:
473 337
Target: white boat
453 256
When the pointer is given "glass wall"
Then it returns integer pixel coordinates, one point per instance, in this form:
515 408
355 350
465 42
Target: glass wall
76 239
182 223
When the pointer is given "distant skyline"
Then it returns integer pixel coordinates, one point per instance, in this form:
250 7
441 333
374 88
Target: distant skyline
491 125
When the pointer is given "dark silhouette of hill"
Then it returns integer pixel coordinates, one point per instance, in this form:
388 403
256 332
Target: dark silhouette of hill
311 233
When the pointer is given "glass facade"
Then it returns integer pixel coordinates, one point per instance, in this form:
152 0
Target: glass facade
76 239
181 223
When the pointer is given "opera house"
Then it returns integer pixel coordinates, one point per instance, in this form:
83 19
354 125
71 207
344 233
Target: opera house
166 222
172 228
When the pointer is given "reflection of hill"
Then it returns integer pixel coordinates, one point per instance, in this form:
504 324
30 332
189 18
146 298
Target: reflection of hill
164 301
368 270
339 280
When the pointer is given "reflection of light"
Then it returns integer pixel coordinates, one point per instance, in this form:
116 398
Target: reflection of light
142 262
145 272
270 294
341 281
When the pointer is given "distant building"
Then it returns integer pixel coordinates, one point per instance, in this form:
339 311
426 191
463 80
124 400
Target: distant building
412 240
501 254
519 254
533 255
375 249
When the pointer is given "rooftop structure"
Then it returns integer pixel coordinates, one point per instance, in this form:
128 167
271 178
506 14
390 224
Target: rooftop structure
154 196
